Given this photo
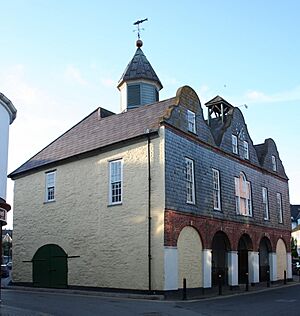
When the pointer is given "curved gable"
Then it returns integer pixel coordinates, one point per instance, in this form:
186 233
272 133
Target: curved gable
265 152
235 125
188 100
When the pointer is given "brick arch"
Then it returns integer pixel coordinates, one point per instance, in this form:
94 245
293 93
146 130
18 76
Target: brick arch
247 237
192 226
225 236
285 241
270 242
175 221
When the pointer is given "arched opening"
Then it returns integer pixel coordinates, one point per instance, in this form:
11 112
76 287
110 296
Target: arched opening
189 247
281 259
50 267
220 248
264 265
245 244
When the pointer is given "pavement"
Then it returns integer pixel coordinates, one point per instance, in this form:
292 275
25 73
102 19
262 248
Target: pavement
9 308
211 293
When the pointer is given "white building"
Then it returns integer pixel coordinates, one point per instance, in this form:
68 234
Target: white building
7 115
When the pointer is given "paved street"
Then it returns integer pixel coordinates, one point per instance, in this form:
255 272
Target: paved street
280 301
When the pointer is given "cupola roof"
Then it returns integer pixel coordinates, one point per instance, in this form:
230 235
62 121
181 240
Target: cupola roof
139 68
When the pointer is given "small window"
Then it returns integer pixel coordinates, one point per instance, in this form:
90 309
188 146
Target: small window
216 190
265 203
50 186
190 181
246 150
234 144
279 208
274 163
115 181
133 95
191 117
243 196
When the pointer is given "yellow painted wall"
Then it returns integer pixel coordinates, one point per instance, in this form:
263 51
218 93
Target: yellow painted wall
281 259
189 247
111 241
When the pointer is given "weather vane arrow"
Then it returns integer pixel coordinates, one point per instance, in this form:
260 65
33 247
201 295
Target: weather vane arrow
137 23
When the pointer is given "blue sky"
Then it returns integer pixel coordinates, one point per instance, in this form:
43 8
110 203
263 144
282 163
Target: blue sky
60 59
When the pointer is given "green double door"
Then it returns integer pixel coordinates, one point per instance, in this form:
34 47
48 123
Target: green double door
50 268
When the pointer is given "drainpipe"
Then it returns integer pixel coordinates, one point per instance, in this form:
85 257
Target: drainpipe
149 211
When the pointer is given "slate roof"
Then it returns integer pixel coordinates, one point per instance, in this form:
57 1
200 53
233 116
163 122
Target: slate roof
261 150
139 68
295 212
99 129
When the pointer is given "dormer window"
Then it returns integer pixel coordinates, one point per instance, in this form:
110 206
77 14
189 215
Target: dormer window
191 117
234 141
274 163
246 150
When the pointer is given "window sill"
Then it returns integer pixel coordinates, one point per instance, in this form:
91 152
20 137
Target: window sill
190 203
244 215
48 202
193 132
218 210
114 204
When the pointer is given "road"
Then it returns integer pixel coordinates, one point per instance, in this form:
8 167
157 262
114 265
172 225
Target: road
280 301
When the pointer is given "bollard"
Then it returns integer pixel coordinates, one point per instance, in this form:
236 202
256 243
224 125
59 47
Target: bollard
220 283
268 278
247 282
184 290
299 274
284 277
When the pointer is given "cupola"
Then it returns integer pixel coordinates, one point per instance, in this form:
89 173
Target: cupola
139 84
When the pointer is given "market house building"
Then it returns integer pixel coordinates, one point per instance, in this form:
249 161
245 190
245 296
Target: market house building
7 116
162 194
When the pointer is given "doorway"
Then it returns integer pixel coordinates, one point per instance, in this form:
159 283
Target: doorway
50 267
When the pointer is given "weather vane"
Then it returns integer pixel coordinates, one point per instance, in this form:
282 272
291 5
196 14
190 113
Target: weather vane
137 23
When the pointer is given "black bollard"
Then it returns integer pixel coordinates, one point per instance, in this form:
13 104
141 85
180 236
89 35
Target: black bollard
184 290
284 277
247 282
220 283
268 278
299 274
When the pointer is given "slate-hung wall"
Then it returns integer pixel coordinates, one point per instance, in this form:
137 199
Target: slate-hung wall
180 145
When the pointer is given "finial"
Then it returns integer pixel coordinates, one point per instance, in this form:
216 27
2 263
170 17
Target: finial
139 43
137 23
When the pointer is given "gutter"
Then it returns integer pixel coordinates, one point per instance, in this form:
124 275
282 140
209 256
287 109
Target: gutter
149 211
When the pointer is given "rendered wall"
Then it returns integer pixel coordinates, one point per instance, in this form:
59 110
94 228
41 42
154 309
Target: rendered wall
112 241
189 258
281 259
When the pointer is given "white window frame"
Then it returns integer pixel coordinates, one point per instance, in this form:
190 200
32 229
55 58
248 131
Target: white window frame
50 179
265 203
191 118
114 179
279 207
274 163
243 196
234 141
246 150
190 181
216 189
